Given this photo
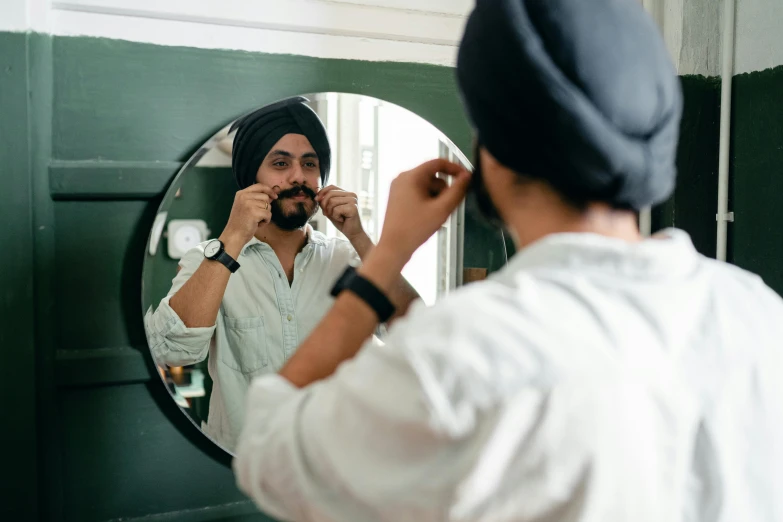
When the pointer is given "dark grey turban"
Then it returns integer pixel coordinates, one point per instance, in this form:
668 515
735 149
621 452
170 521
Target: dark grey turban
258 132
580 93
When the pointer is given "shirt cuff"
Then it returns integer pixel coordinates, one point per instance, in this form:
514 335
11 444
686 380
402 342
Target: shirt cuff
166 333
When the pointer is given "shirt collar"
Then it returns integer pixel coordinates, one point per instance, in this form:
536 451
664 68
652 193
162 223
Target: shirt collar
669 254
313 238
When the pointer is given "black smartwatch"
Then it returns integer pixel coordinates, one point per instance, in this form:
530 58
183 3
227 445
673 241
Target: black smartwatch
366 291
215 251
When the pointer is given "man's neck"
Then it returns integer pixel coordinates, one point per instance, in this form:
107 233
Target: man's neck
285 243
531 227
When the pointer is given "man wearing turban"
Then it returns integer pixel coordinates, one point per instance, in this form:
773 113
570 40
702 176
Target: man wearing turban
600 376
260 288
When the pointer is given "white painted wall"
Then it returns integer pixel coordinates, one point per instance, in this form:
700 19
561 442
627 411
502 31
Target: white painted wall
24 15
668 15
759 42
702 34
693 32
425 31
13 15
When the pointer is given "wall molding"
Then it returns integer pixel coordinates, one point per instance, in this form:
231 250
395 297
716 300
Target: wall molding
298 16
318 28
101 366
207 514
456 8
205 36
371 30
113 180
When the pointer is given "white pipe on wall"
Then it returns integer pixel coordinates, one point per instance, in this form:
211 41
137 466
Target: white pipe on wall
727 49
645 222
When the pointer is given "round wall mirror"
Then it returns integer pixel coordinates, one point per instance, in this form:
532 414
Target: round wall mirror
265 310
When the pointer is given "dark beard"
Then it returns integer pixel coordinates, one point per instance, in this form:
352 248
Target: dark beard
300 215
478 197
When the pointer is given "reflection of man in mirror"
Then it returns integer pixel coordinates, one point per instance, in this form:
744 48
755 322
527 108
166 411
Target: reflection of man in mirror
282 268
600 376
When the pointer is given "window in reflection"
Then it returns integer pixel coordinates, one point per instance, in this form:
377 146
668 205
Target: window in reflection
374 142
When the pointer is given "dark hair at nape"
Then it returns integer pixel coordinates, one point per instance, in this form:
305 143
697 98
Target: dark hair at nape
571 198
577 200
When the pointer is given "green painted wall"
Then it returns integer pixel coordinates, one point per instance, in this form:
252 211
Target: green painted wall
756 195
92 133
694 204
18 483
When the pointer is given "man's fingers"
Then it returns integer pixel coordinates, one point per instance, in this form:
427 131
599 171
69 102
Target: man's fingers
257 202
449 196
331 196
437 185
255 206
452 195
259 188
334 203
324 192
256 196
261 214
343 212
428 169
333 193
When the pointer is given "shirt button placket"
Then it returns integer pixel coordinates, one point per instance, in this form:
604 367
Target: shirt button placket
290 326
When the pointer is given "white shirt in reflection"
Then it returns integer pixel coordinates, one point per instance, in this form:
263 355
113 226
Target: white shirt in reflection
262 320
590 380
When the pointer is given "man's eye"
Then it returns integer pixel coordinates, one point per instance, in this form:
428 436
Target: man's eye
311 165
280 164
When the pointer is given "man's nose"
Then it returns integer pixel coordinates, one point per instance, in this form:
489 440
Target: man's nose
297 176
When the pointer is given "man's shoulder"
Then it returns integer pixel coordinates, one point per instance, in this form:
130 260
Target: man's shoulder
470 350
469 315
731 271
748 288
340 247
319 238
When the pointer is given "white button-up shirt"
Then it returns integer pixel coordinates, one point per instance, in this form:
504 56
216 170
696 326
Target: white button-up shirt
590 380
261 322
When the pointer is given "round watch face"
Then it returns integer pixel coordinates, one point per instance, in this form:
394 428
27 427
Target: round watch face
212 249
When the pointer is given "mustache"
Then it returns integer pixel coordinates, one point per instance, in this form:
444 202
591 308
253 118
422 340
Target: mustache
295 191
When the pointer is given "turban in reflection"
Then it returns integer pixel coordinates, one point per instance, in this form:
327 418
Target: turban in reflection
581 94
258 132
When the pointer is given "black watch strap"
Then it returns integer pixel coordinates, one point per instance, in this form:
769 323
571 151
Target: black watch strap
228 261
366 291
